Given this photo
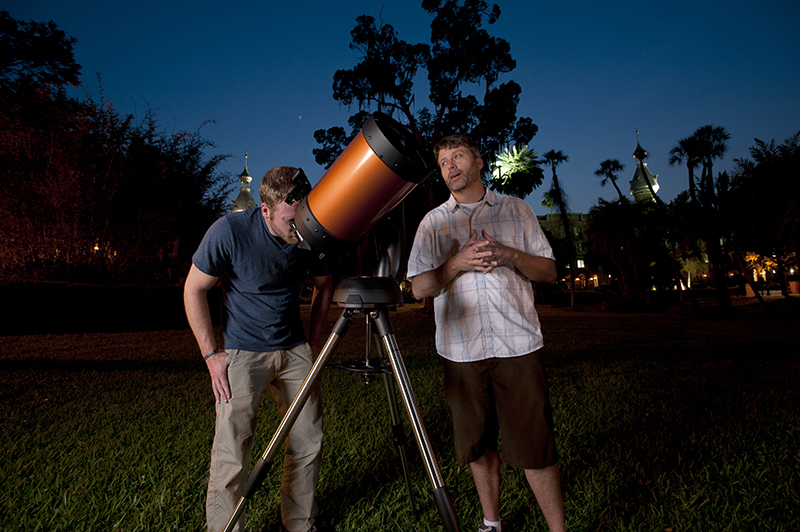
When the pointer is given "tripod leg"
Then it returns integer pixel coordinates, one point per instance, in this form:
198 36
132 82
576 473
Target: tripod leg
440 493
399 437
257 475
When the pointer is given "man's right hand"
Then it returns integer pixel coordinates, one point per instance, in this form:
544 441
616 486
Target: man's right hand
474 255
218 368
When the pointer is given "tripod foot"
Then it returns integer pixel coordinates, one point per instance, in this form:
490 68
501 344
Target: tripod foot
446 509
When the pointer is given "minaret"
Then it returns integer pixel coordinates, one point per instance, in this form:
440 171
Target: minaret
639 184
244 200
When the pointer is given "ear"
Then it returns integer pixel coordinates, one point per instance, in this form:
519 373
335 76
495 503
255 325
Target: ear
480 162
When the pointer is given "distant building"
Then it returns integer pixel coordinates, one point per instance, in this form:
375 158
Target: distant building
584 277
639 188
244 200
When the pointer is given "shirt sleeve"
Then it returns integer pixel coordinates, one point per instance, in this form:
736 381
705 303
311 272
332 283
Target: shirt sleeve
537 242
213 253
420 260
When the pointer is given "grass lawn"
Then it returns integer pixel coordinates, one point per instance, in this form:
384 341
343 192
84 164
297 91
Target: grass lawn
665 422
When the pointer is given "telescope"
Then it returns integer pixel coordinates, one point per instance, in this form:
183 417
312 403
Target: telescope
371 177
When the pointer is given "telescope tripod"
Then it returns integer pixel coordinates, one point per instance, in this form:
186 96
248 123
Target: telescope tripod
373 296
368 368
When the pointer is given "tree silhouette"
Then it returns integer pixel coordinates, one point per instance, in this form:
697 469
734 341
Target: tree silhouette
464 66
628 239
608 171
559 198
711 142
462 59
765 186
687 150
35 53
92 196
705 145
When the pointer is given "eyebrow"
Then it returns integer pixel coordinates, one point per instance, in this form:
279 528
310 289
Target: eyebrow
456 151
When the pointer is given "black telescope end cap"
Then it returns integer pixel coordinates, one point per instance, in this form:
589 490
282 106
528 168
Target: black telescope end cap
314 234
368 292
397 148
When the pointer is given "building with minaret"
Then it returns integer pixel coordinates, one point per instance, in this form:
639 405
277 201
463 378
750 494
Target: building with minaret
642 175
244 200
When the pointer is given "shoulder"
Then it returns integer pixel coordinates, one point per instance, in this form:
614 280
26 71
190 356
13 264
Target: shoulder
219 230
512 202
439 213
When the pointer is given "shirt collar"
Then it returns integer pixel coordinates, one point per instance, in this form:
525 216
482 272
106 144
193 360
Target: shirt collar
489 197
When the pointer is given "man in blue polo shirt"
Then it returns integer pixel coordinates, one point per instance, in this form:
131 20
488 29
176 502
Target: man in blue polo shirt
263 344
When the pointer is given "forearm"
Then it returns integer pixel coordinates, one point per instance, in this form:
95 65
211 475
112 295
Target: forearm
320 306
198 314
430 283
539 269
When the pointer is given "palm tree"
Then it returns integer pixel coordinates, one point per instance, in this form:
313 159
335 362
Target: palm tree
687 150
709 144
608 171
517 172
559 198
547 201
555 158
712 145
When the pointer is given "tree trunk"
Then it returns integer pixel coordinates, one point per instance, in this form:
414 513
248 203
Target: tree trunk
747 278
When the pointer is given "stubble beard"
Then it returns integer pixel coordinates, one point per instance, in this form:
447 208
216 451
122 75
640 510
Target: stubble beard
288 236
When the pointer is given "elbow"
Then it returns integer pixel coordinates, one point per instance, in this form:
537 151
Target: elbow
550 273
417 291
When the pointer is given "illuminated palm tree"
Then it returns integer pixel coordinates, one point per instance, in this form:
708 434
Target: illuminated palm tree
608 171
517 172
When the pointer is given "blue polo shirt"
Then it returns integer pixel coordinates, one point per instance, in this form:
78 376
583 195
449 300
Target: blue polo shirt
261 281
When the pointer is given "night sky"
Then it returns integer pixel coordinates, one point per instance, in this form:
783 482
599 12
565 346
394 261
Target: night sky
590 75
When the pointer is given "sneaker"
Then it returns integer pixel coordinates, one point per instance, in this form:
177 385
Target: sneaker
486 528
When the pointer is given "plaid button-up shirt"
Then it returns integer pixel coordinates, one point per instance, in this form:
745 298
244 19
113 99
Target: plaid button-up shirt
480 316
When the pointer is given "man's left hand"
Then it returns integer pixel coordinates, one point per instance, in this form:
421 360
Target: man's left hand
501 254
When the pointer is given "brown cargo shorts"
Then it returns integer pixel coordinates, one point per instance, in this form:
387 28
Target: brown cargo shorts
501 401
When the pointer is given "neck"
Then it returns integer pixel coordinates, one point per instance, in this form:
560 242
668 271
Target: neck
470 195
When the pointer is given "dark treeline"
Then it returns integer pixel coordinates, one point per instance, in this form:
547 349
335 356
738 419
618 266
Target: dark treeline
724 225
90 195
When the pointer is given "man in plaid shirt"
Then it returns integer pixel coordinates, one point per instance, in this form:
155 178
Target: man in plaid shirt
476 255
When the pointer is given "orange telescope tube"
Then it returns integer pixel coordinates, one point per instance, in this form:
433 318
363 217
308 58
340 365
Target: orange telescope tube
371 177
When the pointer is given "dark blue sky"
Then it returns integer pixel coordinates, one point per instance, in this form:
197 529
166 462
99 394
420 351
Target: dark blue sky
590 75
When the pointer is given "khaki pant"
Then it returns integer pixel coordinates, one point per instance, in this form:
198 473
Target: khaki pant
249 373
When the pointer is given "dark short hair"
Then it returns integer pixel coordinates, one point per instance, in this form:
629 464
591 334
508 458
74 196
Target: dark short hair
276 184
454 141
